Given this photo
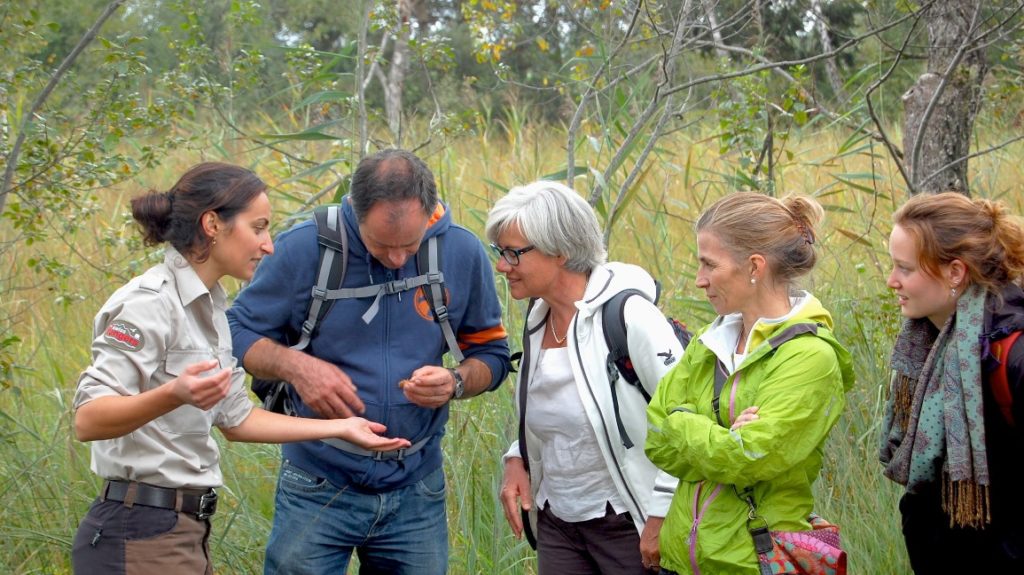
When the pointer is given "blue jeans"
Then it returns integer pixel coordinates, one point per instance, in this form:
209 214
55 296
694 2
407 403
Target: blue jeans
317 525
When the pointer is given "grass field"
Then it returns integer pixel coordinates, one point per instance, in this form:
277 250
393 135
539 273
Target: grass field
46 484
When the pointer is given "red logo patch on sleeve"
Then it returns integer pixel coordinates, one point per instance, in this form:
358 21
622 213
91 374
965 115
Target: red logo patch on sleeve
124 335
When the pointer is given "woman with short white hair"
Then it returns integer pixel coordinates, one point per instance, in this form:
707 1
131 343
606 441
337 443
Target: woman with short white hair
578 472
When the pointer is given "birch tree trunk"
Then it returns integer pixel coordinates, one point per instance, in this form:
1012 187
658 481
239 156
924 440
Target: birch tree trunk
397 71
716 31
831 69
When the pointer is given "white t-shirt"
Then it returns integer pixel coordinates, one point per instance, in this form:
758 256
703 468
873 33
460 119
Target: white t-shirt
575 480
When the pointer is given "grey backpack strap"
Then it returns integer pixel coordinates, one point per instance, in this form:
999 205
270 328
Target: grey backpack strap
376 291
721 375
334 244
333 241
430 255
613 323
397 454
792 332
720 378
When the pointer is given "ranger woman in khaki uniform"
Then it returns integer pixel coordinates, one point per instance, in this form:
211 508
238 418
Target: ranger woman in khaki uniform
162 375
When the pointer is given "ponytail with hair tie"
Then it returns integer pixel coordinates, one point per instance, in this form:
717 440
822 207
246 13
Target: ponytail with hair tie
806 233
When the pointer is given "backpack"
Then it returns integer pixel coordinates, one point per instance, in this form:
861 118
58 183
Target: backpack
332 238
618 361
998 379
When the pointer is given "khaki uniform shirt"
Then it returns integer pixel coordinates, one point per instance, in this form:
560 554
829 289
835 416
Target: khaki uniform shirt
144 336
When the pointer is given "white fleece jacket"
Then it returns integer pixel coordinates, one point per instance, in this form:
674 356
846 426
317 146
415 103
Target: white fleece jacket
653 349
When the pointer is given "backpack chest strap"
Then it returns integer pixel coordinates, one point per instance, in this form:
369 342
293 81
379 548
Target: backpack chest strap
377 291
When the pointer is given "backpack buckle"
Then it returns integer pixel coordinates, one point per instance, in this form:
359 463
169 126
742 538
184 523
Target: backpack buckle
308 327
441 313
397 455
612 369
395 286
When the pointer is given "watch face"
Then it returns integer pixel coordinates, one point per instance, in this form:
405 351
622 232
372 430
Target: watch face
459 385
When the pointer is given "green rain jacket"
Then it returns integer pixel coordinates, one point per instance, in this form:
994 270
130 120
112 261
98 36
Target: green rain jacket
799 388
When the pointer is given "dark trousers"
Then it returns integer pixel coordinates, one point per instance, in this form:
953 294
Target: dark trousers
935 547
608 544
114 539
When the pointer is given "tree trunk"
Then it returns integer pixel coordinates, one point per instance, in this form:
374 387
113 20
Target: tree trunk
397 71
759 22
941 106
716 31
362 77
831 69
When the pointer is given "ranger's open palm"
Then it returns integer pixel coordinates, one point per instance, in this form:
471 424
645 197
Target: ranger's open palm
366 434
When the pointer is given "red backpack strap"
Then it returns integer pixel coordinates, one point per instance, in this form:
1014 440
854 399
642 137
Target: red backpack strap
998 379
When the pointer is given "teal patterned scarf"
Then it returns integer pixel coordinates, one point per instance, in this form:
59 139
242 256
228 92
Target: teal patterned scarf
934 427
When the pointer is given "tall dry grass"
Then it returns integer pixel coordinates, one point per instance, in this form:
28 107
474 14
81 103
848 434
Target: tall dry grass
46 484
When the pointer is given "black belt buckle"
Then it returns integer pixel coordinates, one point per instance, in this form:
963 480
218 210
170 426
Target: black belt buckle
207 504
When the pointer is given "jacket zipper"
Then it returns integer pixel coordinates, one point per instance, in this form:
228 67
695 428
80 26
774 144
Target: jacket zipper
385 359
698 513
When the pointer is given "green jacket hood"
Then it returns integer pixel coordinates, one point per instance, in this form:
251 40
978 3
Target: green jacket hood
720 336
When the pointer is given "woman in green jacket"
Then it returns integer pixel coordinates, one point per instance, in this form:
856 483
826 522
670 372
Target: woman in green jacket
782 384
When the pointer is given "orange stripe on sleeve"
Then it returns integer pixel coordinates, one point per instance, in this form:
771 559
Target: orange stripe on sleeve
485 336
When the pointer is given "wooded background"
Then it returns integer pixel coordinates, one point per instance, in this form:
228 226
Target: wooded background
649 109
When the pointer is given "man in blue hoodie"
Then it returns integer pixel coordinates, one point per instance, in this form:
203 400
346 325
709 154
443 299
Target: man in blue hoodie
378 357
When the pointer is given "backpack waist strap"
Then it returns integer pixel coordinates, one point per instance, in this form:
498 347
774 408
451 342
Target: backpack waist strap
398 454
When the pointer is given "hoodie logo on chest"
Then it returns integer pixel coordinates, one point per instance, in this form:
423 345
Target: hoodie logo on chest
422 305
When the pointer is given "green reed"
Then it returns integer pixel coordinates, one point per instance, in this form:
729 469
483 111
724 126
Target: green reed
45 481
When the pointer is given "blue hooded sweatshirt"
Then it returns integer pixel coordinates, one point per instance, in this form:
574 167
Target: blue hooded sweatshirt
399 339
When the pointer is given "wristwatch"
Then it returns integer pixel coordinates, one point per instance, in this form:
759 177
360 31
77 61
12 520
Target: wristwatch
460 386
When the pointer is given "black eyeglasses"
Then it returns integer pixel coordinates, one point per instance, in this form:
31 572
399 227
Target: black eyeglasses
511 255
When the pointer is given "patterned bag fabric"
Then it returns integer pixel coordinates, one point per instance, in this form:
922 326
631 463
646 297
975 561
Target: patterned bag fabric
815 552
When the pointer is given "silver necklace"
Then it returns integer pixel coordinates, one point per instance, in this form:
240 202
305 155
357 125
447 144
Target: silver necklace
551 324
